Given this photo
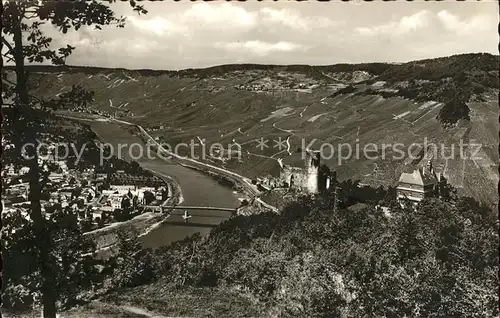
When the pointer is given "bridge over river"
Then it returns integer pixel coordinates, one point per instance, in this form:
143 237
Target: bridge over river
165 208
198 190
199 216
201 219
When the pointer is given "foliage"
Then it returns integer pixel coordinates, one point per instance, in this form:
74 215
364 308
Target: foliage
148 197
25 41
352 192
452 111
439 68
78 96
438 260
72 260
132 264
346 90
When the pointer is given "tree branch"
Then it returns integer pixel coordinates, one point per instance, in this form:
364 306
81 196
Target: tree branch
9 81
9 58
7 44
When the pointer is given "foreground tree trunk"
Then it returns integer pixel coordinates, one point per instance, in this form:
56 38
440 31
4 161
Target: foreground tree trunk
22 17
42 236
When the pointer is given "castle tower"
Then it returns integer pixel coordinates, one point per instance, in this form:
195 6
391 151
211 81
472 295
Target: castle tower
333 178
441 186
312 162
428 168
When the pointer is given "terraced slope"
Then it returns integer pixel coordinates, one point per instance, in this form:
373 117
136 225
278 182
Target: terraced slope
292 105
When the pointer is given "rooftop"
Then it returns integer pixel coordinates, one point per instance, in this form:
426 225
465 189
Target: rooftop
419 177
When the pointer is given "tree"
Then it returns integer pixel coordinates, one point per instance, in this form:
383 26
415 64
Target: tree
89 197
454 110
133 264
125 204
135 201
72 260
133 167
24 40
148 197
126 208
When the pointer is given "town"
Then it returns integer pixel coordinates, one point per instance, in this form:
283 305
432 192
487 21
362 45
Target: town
98 195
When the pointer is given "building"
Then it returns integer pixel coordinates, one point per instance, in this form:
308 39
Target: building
123 188
23 171
62 165
101 176
57 177
307 179
10 170
421 183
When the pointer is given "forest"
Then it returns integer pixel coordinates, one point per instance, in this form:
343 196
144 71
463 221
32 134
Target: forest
439 260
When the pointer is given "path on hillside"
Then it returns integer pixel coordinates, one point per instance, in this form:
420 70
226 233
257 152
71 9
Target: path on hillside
134 310
141 311
289 131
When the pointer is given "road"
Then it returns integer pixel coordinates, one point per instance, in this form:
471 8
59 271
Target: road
242 181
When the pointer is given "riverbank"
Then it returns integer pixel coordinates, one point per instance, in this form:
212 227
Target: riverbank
174 189
106 238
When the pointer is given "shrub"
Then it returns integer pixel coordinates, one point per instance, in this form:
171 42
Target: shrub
453 111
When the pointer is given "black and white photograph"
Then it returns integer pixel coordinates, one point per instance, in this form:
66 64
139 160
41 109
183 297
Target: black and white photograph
249 159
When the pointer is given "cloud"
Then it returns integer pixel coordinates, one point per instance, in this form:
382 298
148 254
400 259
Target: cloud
157 25
294 19
225 15
205 17
431 23
476 23
187 34
259 47
405 25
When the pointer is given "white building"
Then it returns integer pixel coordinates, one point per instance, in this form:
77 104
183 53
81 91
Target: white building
116 201
123 187
62 165
23 170
10 170
421 183
56 177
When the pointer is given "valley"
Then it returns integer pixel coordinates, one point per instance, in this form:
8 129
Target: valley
257 159
337 109
336 112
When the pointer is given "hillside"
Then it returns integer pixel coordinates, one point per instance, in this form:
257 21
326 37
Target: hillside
444 100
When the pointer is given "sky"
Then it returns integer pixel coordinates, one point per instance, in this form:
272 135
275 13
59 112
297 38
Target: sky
184 34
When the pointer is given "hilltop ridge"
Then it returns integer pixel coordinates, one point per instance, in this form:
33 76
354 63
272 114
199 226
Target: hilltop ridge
449 64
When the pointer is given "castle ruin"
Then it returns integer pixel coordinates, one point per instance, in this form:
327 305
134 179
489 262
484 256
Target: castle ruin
308 179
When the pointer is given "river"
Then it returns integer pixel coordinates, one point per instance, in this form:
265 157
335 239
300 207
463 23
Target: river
198 189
